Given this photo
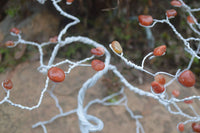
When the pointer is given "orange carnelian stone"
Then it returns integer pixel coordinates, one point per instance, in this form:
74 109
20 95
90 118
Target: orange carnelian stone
54 39
188 101
176 93
116 47
159 51
171 13
181 127
187 78
145 20
196 127
160 79
56 74
176 3
9 43
157 88
15 30
7 84
190 20
97 65
97 51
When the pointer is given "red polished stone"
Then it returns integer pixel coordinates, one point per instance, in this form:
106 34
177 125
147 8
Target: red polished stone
187 78
176 93
15 30
145 20
190 20
160 79
176 3
196 127
56 74
171 13
97 51
181 127
97 65
157 88
9 43
159 51
7 84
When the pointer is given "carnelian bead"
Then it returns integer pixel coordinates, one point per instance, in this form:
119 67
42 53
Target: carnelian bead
69 2
15 30
159 51
171 13
97 65
97 51
181 127
196 127
7 84
190 20
187 78
176 93
176 3
157 88
9 43
145 20
160 79
188 101
56 74
54 39
116 47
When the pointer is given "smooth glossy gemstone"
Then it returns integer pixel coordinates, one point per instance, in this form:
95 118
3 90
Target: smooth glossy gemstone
196 127
56 74
176 93
7 84
187 78
9 43
160 79
54 39
171 13
190 20
181 127
116 47
98 51
145 20
157 88
176 3
15 30
159 51
97 65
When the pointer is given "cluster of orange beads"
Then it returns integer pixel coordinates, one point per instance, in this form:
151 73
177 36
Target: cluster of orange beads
181 127
176 3
9 43
99 51
97 65
159 51
196 127
56 74
15 30
145 20
187 78
158 84
7 84
190 20
54 39
171 13
116 47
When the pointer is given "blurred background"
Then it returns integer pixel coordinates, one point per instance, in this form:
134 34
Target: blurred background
102 21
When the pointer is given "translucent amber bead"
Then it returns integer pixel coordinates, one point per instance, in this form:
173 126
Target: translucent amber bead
116 47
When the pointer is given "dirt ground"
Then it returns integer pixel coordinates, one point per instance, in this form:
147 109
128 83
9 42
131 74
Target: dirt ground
28 84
